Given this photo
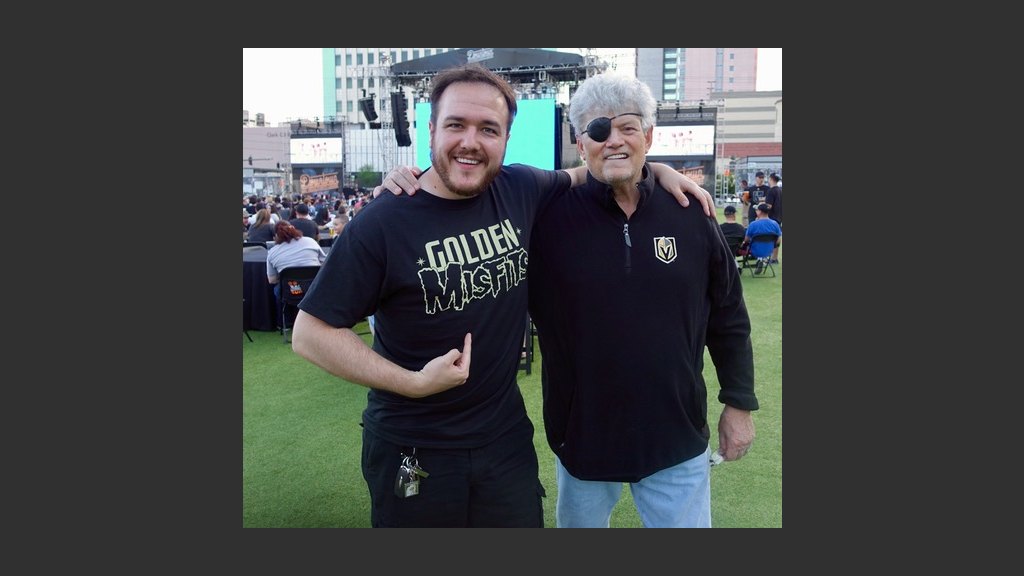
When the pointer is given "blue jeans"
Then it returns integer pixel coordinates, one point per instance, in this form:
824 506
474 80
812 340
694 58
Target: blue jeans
676 497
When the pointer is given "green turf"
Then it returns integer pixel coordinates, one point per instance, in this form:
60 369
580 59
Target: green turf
301 437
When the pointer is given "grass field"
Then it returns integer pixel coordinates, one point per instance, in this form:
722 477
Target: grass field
301 437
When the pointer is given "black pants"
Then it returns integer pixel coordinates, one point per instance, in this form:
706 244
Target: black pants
496 485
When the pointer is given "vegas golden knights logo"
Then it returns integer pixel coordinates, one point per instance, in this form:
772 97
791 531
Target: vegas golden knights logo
665 248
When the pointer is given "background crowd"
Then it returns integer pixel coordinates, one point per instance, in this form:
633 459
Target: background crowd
318 216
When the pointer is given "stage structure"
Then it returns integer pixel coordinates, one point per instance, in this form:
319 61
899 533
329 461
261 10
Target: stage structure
534 75
531 71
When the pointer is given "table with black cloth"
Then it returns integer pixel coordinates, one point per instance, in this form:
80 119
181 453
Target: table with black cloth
259 307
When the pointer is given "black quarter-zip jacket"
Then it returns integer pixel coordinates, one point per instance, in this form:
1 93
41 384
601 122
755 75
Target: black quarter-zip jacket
624 309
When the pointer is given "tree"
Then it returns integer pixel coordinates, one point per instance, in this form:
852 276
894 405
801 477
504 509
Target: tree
367 177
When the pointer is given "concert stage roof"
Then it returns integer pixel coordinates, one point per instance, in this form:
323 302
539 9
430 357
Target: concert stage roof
518 65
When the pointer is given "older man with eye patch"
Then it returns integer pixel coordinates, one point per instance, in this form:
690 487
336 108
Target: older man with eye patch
626 290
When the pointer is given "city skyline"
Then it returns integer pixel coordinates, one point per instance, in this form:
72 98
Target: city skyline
287 83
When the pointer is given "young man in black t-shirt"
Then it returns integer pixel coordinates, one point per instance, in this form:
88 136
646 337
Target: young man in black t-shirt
757 193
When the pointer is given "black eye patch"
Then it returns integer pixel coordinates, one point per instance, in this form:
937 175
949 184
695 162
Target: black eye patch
600 128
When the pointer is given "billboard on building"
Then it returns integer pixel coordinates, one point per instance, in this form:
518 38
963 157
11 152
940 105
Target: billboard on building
315 149
683 140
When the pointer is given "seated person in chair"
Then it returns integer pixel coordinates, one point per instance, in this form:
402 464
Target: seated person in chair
291 248
762 225
304 223
733 231
262 230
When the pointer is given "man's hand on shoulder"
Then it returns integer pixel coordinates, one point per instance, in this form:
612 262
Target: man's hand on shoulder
400 179
678 184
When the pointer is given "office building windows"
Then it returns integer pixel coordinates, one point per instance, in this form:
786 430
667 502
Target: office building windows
359 59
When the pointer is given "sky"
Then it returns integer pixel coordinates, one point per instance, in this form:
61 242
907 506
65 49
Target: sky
286 83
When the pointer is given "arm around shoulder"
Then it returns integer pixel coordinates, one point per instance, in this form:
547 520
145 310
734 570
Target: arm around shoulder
577 175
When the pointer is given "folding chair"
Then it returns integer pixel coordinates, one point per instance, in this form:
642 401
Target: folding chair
760 254
247 244
735 246
295 281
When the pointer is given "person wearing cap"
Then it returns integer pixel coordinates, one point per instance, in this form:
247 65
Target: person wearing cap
762 225
774 201
756 194
732 230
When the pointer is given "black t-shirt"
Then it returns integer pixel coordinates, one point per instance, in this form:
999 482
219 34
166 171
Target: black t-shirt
430 270
264 233
774 197
308 228
734 233
757 194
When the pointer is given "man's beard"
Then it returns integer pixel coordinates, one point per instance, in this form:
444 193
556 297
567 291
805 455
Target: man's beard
466 191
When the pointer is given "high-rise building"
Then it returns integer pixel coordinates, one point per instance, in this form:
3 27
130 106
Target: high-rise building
692 74
354 73
683 74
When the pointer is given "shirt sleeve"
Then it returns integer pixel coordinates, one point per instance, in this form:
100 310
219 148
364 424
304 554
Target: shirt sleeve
348 285
728 332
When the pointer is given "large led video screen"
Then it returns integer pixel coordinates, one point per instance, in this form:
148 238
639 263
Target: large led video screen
532 141
683 140
316 150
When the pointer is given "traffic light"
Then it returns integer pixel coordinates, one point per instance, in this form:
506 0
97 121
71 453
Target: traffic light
399 104
250 160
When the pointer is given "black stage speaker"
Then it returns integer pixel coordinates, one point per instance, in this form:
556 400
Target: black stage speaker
366 105
401 124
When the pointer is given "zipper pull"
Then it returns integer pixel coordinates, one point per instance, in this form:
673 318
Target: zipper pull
625 231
